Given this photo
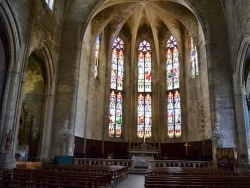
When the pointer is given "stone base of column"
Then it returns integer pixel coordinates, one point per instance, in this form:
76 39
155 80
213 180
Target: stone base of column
244 169
6 162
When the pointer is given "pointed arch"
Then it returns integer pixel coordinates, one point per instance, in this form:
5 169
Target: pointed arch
12 71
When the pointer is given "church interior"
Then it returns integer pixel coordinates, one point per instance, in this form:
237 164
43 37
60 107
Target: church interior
145 83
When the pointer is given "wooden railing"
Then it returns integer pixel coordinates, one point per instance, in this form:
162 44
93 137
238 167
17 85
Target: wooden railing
178 163
151 163
97 161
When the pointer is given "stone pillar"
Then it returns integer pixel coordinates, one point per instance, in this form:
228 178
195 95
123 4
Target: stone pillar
9 119
5 157
47 129
242 130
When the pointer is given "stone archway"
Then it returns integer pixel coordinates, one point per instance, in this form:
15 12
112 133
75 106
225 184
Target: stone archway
4 46
241 94
31 123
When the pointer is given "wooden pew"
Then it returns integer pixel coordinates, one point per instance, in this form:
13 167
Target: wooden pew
191 177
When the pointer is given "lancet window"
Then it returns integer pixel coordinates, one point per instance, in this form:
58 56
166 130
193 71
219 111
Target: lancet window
173 99
97 54
194 59
116 89
144 89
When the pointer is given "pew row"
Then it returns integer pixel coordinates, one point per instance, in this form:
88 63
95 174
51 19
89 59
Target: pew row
194 177
64 176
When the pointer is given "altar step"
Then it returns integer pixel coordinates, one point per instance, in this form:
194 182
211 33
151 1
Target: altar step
137 171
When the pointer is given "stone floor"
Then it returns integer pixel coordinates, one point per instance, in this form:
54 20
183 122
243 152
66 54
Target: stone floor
133 181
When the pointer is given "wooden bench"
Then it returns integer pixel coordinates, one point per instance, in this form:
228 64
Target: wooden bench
190 177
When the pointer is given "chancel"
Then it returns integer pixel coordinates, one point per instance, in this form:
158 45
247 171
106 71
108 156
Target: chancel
124 86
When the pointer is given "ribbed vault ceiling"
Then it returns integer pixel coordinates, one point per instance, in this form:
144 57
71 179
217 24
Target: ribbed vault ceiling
145 18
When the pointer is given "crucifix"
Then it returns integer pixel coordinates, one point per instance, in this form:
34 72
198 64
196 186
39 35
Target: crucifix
186 145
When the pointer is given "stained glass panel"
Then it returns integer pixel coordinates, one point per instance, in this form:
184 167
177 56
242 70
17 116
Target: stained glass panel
172 64
97 52
118 115
112 114
194 59
174 114
148 72
144 67
141 72
120 71
144 106
113 69
117 65
148 116
116 86
175 69
140 115
172 85
177 112
169 69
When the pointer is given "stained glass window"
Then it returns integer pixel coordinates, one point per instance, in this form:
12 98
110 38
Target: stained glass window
172 67
97 52
173 84
194 59
144 103
50 3
116 86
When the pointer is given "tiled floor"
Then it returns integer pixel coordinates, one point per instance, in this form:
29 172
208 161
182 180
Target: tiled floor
133 181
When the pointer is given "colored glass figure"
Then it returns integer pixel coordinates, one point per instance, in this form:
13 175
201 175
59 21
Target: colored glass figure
172 64
144 107
175 69
112 114
148 116
113 70
173 85
194 59
117 65
144 67
144 121
50 3
148 72
116 86
120 71
169 69
140 115
97 52
118 115
174 114
141 72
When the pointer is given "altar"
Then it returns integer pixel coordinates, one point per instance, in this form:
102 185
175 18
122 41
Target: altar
142 153
141 161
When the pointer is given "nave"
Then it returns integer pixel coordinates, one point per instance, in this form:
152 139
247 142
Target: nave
133 181
116 176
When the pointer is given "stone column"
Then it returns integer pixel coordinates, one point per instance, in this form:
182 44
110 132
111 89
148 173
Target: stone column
9 119
47 129
242 130
5 156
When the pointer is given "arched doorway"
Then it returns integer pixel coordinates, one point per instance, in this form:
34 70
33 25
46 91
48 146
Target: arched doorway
32 111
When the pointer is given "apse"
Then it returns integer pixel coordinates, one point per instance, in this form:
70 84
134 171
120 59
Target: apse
177 54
